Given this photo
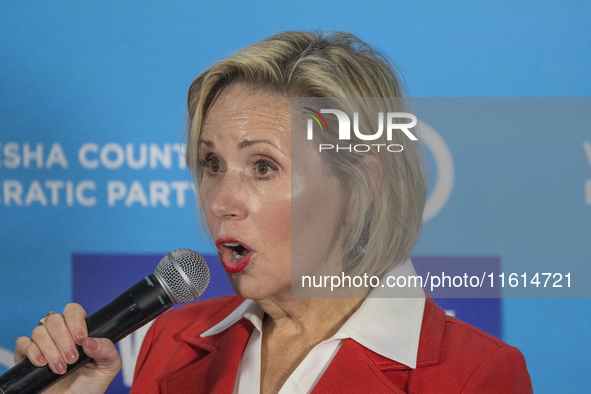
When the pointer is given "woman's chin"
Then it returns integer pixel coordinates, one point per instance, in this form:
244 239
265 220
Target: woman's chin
253 289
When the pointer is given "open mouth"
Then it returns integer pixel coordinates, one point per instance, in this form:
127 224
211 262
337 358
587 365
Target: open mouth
234 254
238 251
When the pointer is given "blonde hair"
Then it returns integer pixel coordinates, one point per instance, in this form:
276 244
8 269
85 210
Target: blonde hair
337 64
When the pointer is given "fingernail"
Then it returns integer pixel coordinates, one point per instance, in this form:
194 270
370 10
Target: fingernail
71 354
41 359
91 343
79 336
60 367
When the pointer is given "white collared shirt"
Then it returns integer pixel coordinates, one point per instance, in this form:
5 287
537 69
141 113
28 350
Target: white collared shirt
388 326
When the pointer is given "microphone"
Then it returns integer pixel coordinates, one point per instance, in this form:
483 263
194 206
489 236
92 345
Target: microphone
181 276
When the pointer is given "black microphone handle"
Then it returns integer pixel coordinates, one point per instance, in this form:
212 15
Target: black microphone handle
131 310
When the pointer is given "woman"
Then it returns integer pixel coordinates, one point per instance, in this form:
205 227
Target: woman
273 202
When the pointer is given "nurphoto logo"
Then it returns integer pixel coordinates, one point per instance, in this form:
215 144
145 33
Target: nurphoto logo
391 125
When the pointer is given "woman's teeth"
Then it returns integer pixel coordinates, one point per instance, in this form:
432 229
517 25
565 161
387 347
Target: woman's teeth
237 250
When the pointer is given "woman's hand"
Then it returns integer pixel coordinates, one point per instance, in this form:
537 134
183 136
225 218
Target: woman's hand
55 342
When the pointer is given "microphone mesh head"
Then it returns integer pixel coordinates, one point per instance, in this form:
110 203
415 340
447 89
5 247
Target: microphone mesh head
184 274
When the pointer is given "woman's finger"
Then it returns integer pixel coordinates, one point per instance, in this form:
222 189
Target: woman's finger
62 337
103 352
26 348
75 317
49 349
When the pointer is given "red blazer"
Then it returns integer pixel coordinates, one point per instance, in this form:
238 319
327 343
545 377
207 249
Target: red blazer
453 357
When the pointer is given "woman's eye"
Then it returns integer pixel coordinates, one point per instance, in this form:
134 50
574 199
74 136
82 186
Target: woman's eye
214 165
264 167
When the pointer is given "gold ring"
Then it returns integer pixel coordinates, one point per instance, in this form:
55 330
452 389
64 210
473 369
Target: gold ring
42 321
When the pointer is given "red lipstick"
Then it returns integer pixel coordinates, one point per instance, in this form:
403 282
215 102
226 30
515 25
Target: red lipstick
234 254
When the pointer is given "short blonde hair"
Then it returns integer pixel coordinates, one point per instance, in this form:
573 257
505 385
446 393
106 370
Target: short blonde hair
336 64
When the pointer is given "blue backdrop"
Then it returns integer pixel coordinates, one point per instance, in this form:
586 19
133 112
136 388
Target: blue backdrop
92 113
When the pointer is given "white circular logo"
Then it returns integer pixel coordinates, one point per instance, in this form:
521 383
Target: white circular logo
445 170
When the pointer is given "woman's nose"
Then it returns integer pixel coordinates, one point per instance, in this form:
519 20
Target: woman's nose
227 201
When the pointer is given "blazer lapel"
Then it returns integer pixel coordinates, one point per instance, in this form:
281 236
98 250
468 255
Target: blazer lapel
359 370
432 331
352 371
215 371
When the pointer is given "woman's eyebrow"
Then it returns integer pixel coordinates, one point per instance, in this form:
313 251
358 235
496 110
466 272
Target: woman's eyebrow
244 144
209 144
247 143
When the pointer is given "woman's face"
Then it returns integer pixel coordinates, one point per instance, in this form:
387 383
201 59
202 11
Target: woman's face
247 192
